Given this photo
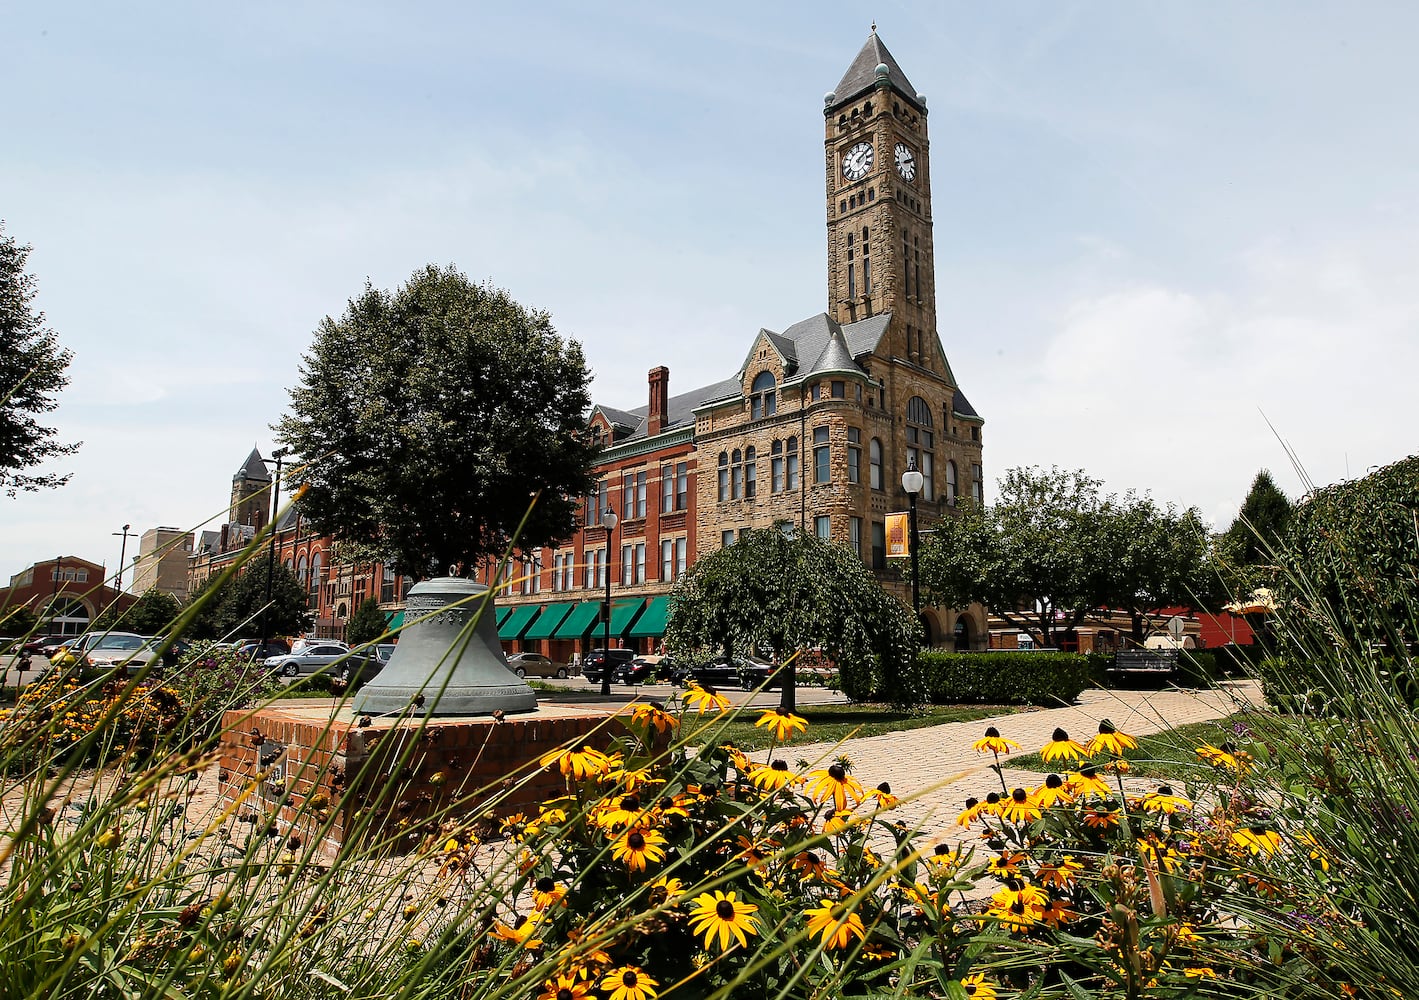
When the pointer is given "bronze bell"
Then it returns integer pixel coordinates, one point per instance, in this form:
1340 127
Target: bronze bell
449 660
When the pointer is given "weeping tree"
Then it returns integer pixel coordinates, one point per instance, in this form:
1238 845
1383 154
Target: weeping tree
793 592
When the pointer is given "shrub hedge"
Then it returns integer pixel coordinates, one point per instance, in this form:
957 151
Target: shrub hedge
1005 678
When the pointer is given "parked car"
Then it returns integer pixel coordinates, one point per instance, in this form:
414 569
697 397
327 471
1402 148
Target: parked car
594 663
756 673
104 651
647 669
358 669
46 645
536 665
305 642
312 659
722 671
260 651
384 650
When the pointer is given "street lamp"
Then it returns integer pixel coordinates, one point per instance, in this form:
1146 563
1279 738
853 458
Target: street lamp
608 521
912 482
279 455
122 554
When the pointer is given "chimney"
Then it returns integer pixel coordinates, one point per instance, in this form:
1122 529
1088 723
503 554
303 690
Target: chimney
659 399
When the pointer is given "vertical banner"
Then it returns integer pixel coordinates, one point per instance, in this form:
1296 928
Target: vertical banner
898 538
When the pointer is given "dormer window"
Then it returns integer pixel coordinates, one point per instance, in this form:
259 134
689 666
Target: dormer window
763 399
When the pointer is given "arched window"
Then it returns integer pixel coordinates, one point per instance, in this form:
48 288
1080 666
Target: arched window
303 572
315 573
950 484
723 476
921 444
764 401
874 463
751 474
736 471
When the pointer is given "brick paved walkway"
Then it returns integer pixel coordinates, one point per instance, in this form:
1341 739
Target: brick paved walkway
935 769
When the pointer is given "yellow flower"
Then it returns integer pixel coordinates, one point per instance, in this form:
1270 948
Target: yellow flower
1200 972
885 799
839 821
1225 756
1087 782
1019 891
1101 816
773 776
719 914
1061 874
703 699
1061 747
547 893
636 847
1257 840
782 724
1053 790
1164 801
833 926
1111 741
993 742
579 765
1018 917
521 933
566 986
1019 808
629 983
968 815
653 715
625 811
809 864
1006 863
834 783
977 988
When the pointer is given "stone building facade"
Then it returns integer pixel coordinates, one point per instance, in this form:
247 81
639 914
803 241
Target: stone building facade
162 561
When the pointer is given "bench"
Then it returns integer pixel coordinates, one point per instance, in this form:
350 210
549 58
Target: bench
1158 662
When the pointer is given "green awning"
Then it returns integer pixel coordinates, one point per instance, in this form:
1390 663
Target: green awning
582 617
502 613
622 613
393 621
548 621
652 619
517 620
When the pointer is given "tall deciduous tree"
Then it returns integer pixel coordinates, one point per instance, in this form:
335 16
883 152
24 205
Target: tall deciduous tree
32 371
235 606
791 593
430 417
1053 549
151 614
367 624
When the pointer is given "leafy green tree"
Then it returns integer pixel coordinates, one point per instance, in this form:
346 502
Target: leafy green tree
431 417
151 614
32 372
770 590
17 621
235 606
1052 549
367 624
1248 551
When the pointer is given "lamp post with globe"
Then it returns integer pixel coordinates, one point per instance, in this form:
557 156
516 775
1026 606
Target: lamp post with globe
912 482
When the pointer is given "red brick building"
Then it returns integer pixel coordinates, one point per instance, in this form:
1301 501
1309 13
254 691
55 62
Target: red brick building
65 594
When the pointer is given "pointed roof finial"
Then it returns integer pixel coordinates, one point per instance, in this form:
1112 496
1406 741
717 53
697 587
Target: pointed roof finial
874 25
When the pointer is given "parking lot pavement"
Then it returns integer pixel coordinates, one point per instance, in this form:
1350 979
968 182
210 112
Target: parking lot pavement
14 677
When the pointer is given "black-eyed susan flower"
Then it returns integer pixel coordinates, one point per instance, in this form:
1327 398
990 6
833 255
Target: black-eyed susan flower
1006 864
781 724
1100 816
883 796
1109 740
833 782
1058 913
968 815
993 742
629 983
565 986
579 765
523 933
1226 756
943 860
834 924
1061 874
665 890
1052 791
637 847
809 864
1018 890
1061 747
705 699
547 893
1088 781
1164 801
1019 807
1257 839
624 811
977 988
772 777
1018 917
1200 972
720 915
839 821
653 715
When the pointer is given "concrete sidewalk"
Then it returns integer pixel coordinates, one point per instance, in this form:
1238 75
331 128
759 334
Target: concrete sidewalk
936 769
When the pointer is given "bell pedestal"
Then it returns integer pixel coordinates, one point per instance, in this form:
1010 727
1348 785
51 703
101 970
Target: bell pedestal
449 661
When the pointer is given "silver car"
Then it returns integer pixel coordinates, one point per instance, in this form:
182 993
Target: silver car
104 651
310 659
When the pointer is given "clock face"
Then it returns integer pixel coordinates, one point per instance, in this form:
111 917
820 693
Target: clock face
906 162
857 161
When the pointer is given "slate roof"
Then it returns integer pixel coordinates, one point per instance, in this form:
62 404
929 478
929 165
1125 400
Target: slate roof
861 76
253 468
963 406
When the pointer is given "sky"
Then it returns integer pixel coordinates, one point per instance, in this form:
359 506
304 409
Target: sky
1175 242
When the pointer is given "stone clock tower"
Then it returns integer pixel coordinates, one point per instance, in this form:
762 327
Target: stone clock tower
878 168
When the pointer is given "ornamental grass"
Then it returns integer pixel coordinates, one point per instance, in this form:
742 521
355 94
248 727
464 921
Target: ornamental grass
674 865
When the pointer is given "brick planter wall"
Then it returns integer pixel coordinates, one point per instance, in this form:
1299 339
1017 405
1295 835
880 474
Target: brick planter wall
309 764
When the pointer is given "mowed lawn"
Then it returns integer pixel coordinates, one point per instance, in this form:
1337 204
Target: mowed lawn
831 723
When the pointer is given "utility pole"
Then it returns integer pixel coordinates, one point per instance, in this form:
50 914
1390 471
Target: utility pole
122 554
279 454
